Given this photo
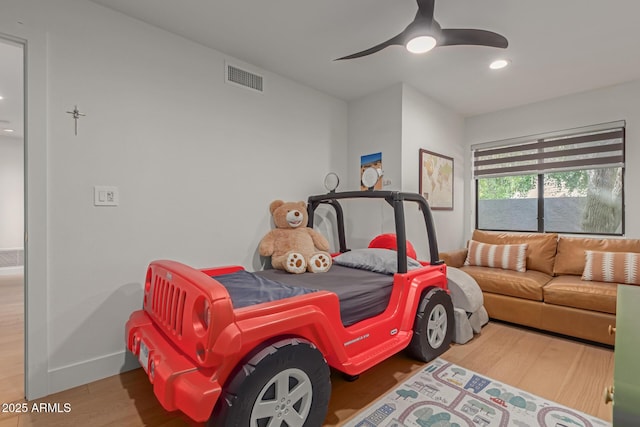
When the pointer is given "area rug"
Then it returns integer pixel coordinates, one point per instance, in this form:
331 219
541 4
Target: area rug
445 395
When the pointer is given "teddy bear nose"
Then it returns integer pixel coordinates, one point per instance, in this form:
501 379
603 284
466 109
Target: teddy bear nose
297 213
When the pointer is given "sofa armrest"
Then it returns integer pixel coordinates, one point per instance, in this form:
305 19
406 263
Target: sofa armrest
454 258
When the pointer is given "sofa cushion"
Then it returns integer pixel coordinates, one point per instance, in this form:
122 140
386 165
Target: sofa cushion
540 253
526 285
571 251
615 267
505 257
571 291
454 258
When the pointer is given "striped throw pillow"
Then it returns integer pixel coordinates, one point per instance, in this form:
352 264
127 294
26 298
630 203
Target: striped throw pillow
506 257
615 267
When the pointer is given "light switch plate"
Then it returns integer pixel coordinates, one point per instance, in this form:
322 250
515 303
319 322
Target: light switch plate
104 195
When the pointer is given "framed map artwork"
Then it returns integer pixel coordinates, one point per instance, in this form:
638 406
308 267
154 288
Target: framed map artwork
436 180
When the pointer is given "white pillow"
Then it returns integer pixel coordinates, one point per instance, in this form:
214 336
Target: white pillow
374 259
506 257
614 267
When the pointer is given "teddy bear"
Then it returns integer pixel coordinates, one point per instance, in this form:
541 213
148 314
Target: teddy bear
292 245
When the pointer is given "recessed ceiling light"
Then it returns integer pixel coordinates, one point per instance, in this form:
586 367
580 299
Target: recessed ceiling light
8 130
499 63
1 97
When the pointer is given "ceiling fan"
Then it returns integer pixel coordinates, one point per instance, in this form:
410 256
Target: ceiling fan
424 33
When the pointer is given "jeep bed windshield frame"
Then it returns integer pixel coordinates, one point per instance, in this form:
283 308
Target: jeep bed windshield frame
394 198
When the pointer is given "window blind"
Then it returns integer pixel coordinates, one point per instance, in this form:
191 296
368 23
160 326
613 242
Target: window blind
561 151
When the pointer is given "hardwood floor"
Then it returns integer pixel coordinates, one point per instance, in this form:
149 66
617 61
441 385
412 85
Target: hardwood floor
11 338
565 371
568 372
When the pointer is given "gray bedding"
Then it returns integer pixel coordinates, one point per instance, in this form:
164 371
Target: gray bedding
247 289
362 293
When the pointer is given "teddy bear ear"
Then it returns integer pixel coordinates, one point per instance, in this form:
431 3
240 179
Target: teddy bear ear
303 204
275 205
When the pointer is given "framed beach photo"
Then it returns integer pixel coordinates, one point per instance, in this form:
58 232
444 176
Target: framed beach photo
371 172
436 180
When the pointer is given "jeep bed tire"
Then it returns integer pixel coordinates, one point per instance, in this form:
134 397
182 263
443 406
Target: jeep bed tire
433 326
288 380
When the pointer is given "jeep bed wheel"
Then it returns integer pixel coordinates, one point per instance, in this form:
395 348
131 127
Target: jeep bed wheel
284 384
433 326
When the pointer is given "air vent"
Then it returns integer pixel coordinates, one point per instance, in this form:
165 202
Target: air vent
244 78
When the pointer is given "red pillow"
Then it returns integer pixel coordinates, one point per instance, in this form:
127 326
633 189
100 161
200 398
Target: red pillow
388 241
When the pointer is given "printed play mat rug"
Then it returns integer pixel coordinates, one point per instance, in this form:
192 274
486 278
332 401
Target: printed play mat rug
445 395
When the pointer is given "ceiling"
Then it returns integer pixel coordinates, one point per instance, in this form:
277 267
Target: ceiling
555 47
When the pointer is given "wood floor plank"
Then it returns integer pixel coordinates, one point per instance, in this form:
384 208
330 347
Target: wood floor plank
11 338
549 373
511 367
502 342
591 372
7 420
473 347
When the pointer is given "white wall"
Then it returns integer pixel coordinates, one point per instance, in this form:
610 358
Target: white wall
429 125
375 125
183 148
610 104
196 162
398 121
11 193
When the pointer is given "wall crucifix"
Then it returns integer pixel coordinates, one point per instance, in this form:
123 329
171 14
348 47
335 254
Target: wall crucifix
76 114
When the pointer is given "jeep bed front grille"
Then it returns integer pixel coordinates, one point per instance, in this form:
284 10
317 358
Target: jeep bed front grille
168 304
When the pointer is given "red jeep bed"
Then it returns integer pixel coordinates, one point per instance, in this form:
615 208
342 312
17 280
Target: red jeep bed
218 351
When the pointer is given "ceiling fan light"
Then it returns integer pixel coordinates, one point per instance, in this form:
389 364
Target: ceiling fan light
498 64
421 44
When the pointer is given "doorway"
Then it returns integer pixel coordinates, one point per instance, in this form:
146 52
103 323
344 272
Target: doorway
12 214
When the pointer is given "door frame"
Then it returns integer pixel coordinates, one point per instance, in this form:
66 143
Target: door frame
36 351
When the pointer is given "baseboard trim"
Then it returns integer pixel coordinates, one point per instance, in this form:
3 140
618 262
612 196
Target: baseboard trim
82 373
10 271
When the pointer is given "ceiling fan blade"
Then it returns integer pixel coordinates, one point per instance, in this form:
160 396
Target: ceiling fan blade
462 36
396 40
425 8
424 24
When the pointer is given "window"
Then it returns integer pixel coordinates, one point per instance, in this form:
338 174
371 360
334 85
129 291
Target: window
565 182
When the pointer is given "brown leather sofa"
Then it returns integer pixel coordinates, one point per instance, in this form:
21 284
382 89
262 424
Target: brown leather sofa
550 295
